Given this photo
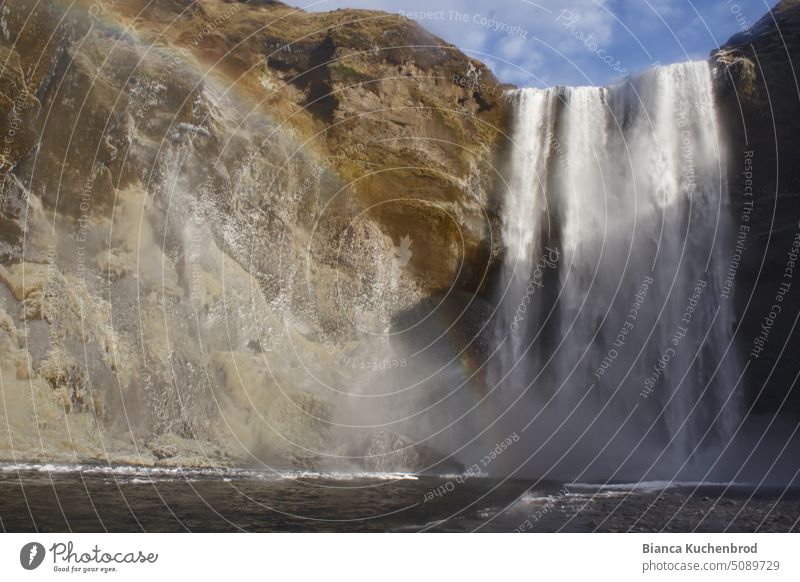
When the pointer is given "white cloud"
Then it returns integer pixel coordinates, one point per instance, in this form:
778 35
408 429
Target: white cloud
513 48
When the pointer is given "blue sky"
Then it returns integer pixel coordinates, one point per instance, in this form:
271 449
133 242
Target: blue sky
573 42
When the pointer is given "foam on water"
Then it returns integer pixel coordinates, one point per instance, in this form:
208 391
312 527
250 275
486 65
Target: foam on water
649 486
142 474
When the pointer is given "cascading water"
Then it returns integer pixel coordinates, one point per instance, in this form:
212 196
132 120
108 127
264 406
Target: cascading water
618 358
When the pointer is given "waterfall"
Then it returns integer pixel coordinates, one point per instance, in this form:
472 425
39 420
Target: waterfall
616 230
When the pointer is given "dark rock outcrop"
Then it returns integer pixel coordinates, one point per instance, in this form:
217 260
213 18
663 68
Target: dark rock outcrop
758 95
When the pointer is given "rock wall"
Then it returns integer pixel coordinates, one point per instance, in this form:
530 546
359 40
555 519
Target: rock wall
757 86
207 207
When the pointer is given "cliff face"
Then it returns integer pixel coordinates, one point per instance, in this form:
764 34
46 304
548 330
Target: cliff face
757 90
208 205
212 213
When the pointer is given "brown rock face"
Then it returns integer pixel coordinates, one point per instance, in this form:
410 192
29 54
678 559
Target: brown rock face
409 123
757 92
205 204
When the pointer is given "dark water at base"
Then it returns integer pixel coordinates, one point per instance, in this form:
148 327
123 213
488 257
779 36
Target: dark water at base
58 499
